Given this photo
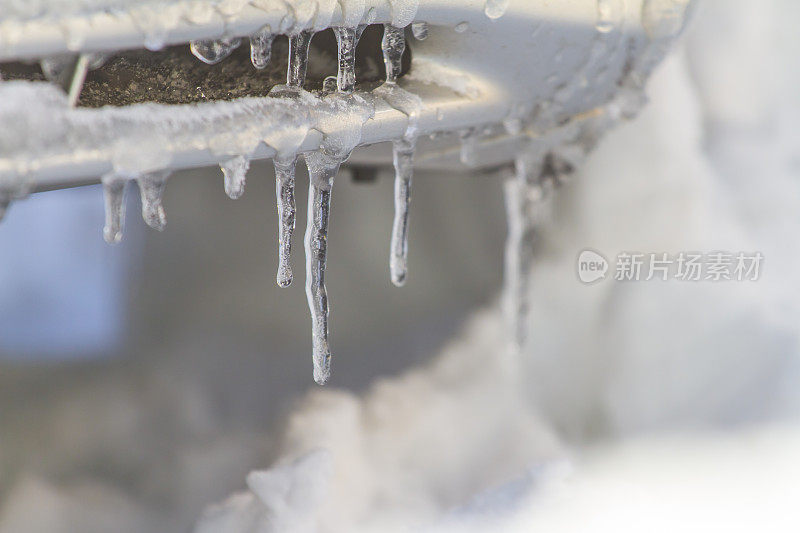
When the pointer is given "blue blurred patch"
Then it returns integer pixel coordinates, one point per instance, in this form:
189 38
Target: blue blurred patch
63 290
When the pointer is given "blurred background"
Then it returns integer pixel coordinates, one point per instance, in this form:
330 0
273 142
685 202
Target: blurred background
140 383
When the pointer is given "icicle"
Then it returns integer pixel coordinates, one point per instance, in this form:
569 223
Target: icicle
261 47
212 52
411 105
151 189
527 208
420 30
393 45
404 171
114 194
322 170
347 39
284 191
298 59
235 172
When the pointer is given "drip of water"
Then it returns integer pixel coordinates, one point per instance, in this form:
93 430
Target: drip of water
235 172
347 39
212 52
495 9
420 30
393 45
261 47
298 59
284 191
404 171
469 139
322 169
151 189
114 195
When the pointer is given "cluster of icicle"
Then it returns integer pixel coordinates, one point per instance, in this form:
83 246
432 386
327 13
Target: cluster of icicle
554 148
331 113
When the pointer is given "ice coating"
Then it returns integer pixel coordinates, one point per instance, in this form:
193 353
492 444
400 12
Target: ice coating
151 190
393 45
261 47
403 12
114 197
284 192
235 173
212 52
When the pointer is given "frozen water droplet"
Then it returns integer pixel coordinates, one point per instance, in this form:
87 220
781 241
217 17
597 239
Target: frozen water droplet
212 52
393 45
298 59
420 30
330 84
151 189
513 125
284 191
347 40
261 47
605 16
461 27
469 139
322 170
114 196
404 172
235 172
495 9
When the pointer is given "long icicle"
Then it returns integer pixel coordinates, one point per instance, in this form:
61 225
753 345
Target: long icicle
322 170
284 191
114 197
527 208
404 172
393 46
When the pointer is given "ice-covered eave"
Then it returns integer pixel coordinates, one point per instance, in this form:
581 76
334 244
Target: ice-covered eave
54 145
